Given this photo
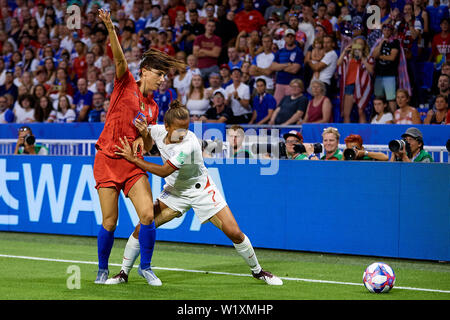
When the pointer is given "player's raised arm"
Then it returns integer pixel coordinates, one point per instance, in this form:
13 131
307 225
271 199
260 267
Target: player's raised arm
119 58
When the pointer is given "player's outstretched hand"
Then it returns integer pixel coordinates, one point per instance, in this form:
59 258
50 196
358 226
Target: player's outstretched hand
106 18
141 125
125 150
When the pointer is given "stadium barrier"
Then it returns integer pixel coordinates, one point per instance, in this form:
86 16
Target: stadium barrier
384 209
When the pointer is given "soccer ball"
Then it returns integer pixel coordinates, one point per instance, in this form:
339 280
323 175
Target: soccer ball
379 278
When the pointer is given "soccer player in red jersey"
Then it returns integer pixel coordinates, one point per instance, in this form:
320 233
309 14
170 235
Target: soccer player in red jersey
129 101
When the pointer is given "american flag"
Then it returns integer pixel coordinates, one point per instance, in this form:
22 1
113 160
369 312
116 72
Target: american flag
363 83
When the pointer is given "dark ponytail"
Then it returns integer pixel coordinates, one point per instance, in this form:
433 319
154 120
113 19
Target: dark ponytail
176 110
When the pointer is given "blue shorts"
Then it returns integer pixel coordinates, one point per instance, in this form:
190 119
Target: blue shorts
385 87
349 89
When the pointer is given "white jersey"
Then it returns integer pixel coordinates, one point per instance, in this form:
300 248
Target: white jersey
186 157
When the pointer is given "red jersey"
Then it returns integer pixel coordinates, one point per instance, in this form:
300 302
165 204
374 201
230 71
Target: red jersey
126 104
249 20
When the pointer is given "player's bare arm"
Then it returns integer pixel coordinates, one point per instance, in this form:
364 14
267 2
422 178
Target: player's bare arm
147 141
119 58
125 151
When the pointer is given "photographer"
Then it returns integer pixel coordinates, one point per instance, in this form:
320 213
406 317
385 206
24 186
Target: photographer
26 143
355 150
410 148
295 146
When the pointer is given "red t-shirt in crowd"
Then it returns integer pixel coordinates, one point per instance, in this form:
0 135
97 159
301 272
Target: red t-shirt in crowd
207 43
440 45
249 20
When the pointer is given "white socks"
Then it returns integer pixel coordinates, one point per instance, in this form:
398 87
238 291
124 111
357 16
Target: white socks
245 249
130 254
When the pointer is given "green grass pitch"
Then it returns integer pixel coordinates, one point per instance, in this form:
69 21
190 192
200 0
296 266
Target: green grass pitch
41 267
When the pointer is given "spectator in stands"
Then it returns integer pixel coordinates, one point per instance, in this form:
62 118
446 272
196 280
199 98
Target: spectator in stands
405 114
436 12
191 30
443 86
234 60
249 19
65 114
79 62
355 143
207 48
44 111
30 62
196 101
276 10
307 25
293 138
238 97
9 86
94 114
219 112
327 66
355 61
287 64
82 100
6 114
163 44
292 107
263 104
225 30
215 84
319 108
154 21
330 141
438 114
24 110
235 139
381 113
163 97
321 20
260 68
416 153
26 143
386 54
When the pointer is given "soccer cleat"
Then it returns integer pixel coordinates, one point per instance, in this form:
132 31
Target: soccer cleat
102 276
121 277
268 278
151 278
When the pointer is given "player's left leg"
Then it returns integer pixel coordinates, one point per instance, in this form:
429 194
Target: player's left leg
225 221
140 195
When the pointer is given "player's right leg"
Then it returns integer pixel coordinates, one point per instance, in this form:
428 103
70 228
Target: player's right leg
109 204
163 214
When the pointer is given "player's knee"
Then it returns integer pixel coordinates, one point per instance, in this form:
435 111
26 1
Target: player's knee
109 224
235 235
147 217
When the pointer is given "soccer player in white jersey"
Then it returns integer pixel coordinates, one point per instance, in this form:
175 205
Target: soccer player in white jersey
187 186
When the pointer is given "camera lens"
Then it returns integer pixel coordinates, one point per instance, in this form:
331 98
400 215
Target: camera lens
396 145
30 139
349 154
299 148
318 148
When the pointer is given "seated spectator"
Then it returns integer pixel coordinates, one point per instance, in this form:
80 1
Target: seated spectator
330 141
235 139
438 114
237 95
319 108
293 138
381 113
292 107
196 101
44 111
97 108
354 142
263 104
225 74
24 110
65 114
405 114
9 86
415 151
82 100
219 112
443 87
6 114
26 143
215 84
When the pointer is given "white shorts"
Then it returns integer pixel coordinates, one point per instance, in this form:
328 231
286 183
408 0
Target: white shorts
205 200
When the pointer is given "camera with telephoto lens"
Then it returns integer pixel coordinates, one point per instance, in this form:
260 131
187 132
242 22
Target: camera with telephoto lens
300 148
277 150
397 145
350 153
29 139
212 146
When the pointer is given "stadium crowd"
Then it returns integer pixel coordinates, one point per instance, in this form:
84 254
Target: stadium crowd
249 62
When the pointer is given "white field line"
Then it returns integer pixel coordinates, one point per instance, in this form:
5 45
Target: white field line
215 272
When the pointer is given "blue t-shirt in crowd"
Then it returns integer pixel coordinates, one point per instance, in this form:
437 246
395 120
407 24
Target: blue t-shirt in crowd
95 115
82 99
285 56
262 106
436 14
163 101
237 65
